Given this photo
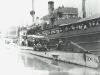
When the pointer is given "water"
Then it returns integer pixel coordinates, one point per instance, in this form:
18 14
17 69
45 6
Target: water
12 62
52 67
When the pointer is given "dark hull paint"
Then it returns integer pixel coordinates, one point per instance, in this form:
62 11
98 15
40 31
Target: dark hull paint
88 39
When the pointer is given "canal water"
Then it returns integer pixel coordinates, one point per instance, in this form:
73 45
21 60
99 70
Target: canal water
12 62
46 66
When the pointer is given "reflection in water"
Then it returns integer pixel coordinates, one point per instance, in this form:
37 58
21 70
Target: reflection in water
83 71
55 68
37 63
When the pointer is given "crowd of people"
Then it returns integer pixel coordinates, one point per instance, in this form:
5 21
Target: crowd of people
83 25
75 26
40 45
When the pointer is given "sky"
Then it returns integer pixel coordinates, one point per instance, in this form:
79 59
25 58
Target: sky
17 12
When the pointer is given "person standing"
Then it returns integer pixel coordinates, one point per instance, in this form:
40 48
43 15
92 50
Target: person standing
59 47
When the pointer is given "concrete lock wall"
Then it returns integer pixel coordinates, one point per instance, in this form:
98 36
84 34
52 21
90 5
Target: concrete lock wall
72 57
92 60
77 58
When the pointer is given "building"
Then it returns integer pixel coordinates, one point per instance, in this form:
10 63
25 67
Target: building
56 17
61 15
22 36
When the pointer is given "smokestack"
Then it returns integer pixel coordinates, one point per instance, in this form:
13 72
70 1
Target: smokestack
83 8
50 7
50 10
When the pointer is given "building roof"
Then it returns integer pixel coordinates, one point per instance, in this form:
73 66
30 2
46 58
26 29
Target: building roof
84 19
89 18
64 10
67 10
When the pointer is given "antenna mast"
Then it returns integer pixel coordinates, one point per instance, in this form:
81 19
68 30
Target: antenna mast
32 12
32 4
83 8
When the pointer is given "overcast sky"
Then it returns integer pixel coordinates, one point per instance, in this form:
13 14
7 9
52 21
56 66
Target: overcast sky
17 12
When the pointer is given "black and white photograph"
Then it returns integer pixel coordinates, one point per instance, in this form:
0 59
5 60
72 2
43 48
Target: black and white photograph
49 37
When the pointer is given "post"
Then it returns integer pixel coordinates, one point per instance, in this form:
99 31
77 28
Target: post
50 11
33 10
83 8
18 35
